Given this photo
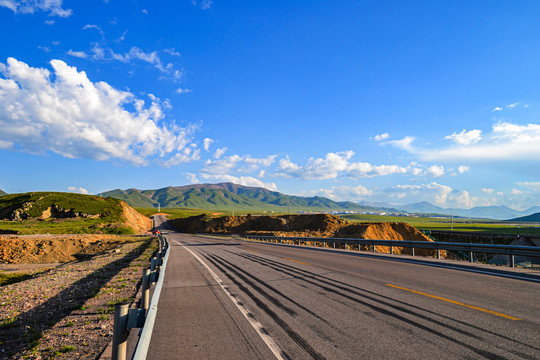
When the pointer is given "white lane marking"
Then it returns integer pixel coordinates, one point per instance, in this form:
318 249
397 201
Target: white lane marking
249 316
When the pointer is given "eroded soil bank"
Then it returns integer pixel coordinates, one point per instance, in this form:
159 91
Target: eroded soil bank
316 225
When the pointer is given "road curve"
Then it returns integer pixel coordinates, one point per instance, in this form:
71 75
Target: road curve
229 299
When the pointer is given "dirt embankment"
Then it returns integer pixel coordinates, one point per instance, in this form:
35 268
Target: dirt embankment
137 221
43 249
317 225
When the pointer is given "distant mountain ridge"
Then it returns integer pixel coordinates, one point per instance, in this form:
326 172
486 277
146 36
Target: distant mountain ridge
231 196
2 193
529 218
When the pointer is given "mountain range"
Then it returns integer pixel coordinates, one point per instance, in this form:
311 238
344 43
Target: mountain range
230 196
237 197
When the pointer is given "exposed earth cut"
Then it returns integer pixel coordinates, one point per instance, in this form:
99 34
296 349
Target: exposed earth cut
316 225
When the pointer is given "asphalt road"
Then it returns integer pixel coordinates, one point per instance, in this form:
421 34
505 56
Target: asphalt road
229 299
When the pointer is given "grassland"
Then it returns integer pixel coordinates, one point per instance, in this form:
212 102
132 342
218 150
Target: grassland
458 224
105 215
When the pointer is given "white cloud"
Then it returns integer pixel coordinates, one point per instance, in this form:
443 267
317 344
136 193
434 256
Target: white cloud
316 168
463 169
53 7
381 137
144 11
361 169
341 193
44 48
465 137
242 180
79 190
206 144
512 105
535 185
192 178
183 91
70 115
435 171
465 200
488 190
49 22
432 192
498 108
506 141
172 52
243 164
79 54
516 192
404 144
219 152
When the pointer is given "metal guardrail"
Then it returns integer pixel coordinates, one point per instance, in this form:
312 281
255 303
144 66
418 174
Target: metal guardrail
509 250
144 316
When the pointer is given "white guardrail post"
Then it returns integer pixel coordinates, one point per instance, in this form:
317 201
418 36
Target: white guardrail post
143 317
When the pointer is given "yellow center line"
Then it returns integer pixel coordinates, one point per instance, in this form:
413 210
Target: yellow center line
300 262
456 302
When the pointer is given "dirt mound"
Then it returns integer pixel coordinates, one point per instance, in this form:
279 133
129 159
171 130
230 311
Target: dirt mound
135 220
42 249
317 225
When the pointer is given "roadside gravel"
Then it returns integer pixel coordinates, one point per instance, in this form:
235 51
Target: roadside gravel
66 312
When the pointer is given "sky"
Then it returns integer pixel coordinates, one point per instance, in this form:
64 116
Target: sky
377 101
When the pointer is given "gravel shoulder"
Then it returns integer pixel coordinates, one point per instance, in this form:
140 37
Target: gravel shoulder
66 311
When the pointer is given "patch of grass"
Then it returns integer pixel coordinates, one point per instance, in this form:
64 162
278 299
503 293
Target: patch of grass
70 324
8 323
64 349
7 278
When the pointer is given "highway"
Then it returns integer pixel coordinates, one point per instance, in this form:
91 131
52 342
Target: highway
229 299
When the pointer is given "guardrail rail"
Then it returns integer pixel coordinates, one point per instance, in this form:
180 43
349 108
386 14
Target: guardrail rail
144 316
511 250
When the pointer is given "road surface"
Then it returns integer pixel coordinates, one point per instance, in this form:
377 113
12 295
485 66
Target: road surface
229 299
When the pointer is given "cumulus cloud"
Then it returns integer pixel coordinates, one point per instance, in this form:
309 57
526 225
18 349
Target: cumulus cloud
70 115
516 192
192 178
506 141
435 171
79 190
243 164
381 137
535 185
341 193
465 137
240 180
316 168
463 169
338 164
498 108
219 152
488 190
206 144
53 7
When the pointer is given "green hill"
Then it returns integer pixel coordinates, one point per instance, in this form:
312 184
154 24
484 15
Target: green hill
55 212
2 192
230 196
530 218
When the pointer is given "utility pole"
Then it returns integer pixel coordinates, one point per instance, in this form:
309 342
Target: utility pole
158 207
452 220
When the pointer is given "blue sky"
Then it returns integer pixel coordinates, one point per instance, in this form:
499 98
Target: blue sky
387 101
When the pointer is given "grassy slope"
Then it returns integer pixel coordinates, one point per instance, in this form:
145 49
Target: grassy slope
531 218
229 196
445 224
2 193
109 209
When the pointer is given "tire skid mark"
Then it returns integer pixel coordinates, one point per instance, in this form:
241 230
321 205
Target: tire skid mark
271 288
332 281
290 332
268 340
483 353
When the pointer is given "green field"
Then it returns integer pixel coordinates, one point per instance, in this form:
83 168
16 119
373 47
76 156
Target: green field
458 224
175 213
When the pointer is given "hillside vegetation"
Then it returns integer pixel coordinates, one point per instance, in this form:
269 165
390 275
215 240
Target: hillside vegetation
230 196
530 218
2 192
54 212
